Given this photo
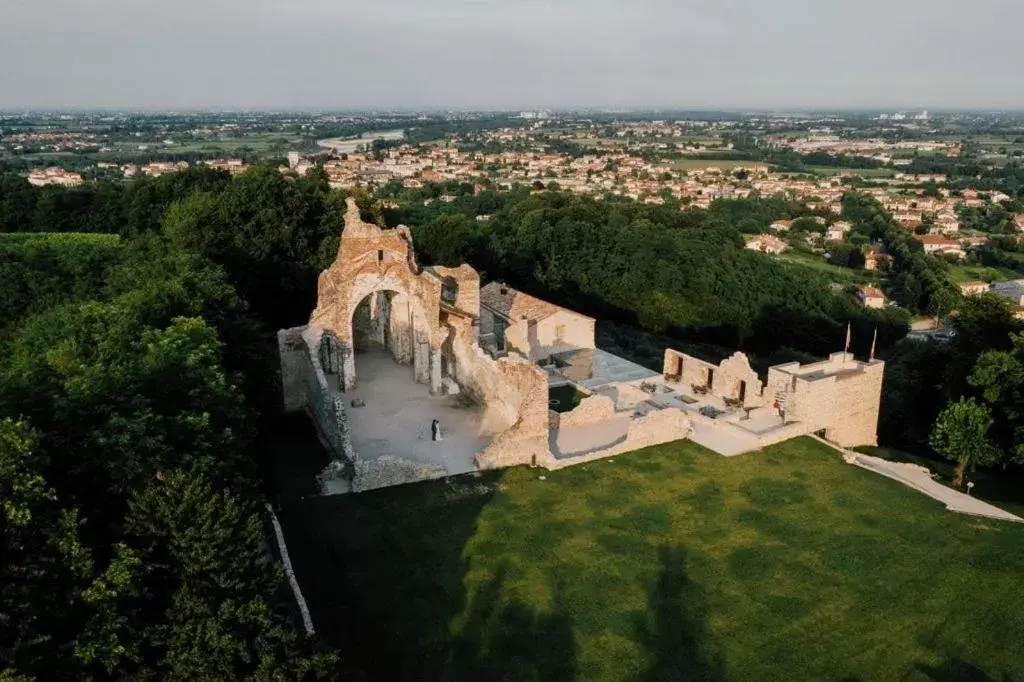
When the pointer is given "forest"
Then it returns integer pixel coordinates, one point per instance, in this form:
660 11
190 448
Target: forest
138 368
134 380
682 273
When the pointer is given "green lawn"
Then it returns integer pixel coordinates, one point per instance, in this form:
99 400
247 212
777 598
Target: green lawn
818 262
671 563
60 238
998 487
862 172
973 273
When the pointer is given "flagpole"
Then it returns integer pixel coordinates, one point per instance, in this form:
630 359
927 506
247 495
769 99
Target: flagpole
873 341
846 349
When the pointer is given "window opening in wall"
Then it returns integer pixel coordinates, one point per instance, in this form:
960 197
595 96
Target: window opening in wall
499 333
560 332
449 290
380 255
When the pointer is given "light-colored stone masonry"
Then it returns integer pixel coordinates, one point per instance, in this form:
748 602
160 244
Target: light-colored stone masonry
839 395
593 409
376 295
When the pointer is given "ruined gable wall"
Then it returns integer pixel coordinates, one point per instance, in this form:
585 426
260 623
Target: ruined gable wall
733 371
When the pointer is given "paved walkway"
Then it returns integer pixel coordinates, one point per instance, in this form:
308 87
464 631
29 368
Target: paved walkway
396 418
726 440
919 478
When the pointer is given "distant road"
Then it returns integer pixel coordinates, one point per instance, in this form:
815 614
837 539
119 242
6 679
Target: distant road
347 145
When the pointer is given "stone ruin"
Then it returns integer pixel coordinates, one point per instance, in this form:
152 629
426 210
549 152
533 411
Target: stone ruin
491 367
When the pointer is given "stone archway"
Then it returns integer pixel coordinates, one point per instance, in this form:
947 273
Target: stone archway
390 319
406 301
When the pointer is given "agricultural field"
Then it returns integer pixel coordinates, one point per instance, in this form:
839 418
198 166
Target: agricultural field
259 143
670 563
975 273
862 172
724 164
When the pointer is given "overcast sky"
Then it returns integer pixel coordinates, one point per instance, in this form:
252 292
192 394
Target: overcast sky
511 53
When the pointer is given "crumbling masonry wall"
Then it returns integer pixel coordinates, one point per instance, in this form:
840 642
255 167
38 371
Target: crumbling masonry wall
593 409
306 387
655 428
729 378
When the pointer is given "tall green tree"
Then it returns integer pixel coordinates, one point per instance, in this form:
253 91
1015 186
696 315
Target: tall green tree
999 375
961 435
206 570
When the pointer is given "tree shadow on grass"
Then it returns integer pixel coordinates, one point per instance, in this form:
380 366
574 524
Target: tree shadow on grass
675 630
510 640
383 571
956 670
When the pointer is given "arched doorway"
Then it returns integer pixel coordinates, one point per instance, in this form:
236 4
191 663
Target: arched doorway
390 322
330 353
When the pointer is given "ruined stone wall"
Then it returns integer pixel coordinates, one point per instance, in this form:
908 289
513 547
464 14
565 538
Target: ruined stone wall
514 395
593 409
294 358
733 372
370 261
655 428
468 281
401 326
517 338
784 433
693 371
727 376
325 404
386 471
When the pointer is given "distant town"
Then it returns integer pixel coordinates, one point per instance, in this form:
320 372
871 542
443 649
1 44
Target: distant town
897 158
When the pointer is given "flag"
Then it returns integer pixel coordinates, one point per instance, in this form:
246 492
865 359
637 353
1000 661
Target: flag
847 348
873 340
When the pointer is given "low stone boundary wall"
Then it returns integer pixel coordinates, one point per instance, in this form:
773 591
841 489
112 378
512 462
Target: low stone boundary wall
784 432
307 619
385 471
655 428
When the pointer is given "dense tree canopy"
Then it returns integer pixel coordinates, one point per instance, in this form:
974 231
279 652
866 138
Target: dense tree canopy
685 272
130 379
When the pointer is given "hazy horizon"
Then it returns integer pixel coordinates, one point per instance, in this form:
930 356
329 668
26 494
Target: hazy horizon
462 55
